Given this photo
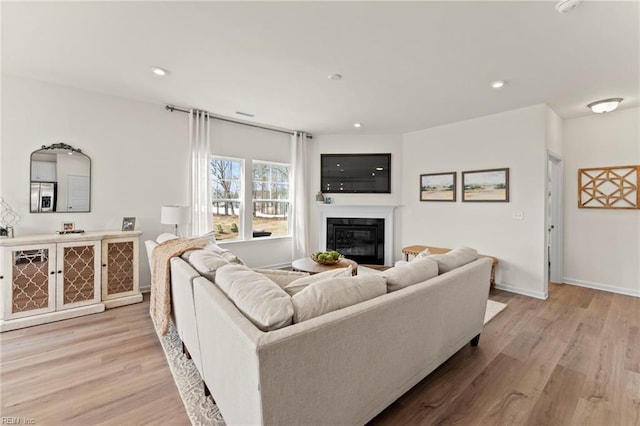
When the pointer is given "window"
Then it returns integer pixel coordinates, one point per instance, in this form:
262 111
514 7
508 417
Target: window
226 197
270 199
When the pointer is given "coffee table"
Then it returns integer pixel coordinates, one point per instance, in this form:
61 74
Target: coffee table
306 264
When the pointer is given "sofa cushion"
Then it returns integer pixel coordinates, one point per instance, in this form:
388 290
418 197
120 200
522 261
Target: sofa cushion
301 283
280 277
261 300
410 273
332 294
207 262
454 258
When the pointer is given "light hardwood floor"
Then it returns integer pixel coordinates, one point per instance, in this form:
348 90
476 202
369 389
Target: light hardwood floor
572 359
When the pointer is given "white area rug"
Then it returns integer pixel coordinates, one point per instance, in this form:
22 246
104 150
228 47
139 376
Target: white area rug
200 409
493 309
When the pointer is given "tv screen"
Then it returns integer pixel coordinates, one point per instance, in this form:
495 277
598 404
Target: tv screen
355 173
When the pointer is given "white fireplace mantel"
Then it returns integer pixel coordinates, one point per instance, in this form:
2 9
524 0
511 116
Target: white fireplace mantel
355 211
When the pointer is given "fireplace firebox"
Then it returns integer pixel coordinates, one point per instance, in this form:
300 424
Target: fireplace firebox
359 239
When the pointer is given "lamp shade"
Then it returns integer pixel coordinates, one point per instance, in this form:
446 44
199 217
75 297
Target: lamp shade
175 215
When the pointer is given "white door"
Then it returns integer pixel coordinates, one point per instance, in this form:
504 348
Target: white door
78 193
554 218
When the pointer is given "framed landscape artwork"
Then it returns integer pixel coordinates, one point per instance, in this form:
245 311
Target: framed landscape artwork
438 187
486 185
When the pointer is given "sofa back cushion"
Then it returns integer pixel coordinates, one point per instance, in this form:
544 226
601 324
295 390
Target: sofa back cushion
207 262
454 258
410 273
261 300
280 277
301 283
332 294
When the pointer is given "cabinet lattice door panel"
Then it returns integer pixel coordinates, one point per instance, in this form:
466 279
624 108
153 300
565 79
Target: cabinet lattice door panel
28 284
79 274
78 265
120 272
120 267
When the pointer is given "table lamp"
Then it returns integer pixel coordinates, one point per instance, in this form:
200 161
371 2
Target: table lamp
175 215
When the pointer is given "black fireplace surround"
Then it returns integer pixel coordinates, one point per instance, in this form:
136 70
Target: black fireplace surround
358 239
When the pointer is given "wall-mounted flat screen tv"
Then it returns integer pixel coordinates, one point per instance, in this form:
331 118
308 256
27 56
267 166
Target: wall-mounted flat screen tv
355 173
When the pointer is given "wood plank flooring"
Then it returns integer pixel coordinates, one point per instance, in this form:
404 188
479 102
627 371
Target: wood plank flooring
573 359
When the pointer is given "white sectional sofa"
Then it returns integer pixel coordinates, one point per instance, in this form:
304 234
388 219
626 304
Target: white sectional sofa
340 368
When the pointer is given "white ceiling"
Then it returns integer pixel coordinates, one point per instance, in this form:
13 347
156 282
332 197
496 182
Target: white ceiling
406 66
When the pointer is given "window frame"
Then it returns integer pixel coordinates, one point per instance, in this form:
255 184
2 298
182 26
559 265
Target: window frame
288 199
241 200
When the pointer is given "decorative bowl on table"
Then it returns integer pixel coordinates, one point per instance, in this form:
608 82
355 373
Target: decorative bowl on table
326 257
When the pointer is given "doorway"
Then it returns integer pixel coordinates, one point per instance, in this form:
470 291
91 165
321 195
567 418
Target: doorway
555 228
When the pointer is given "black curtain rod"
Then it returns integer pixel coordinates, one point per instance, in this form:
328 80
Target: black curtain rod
230 120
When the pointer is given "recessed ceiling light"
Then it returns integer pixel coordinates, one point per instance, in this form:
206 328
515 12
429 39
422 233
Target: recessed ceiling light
605 105
379 168
159 71
357 125
498 84
246 114
335 76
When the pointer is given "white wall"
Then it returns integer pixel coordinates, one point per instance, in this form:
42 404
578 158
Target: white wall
514 139
339 144
602 246
139 156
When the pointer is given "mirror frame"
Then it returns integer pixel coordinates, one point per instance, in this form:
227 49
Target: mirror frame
54 146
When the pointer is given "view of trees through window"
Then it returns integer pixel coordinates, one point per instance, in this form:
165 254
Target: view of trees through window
269 193
226 197
270 198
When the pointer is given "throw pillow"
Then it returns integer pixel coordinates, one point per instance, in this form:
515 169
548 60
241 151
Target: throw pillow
301 283
280 277
423 253
454 258
410 273
207 262
265 304
332 294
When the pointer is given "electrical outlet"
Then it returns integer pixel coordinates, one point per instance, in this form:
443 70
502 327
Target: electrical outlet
517 215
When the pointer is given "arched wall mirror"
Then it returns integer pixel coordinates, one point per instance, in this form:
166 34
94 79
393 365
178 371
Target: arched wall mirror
60 180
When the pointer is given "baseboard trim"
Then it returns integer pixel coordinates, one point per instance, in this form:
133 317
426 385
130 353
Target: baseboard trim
522 291
145 289
603 287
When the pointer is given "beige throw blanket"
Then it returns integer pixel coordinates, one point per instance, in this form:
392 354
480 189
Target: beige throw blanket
160 302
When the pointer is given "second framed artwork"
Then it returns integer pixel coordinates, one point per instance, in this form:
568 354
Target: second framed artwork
486 185
438 187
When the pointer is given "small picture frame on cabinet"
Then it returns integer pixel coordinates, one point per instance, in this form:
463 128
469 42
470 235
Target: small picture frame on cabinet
128 223
68 226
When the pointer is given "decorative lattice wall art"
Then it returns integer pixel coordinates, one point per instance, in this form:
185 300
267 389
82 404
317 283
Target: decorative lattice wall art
609 187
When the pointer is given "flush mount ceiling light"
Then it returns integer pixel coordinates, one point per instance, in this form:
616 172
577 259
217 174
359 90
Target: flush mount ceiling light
498 84
335 76
605 105
564 6
357 125
159 71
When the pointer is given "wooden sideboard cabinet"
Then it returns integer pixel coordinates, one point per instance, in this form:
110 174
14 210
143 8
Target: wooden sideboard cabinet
47 278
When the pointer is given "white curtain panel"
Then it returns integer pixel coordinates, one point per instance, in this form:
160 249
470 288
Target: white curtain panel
300 202
201 210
